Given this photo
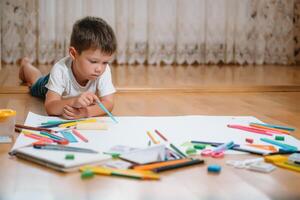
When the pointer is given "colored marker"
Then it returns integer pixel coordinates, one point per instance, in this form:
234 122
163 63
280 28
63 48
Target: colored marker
69 124
179 165
69 136
78 134
52 136
282 145
128 173
249 129
38 137
62 148
171 145
107 112
168 165
276 126
224 146
274 130
163 137
51 124
33 128
152 138
160 164
235 147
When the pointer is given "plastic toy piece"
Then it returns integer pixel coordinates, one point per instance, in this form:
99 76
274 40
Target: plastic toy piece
87 174
199 146
249 140
190 151
278 137
70 157
214 168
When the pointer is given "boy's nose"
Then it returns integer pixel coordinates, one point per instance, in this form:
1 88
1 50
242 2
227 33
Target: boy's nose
99 69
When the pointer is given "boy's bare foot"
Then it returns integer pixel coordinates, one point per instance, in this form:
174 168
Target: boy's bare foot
22 63
28 73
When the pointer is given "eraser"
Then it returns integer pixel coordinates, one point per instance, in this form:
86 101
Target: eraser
295 157
261 167
214 168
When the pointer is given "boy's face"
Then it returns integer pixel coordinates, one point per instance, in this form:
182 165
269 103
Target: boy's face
90 64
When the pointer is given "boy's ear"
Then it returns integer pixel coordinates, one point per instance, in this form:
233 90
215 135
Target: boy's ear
72 52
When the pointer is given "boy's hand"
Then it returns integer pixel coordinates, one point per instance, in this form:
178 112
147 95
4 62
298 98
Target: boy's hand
85 99
74 113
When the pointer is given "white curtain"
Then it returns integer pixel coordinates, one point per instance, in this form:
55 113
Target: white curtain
158 31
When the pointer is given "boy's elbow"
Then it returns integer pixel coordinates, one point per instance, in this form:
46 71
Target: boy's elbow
49 109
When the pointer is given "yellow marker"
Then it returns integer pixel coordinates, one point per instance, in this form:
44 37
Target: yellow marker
281 161
25 132
152 138
275 158
122 172
75 123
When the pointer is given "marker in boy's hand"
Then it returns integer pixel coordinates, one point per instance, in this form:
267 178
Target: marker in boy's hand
85 99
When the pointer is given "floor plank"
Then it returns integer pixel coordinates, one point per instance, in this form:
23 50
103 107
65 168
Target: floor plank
198 78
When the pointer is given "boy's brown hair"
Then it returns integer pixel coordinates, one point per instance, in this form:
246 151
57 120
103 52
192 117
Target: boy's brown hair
95 33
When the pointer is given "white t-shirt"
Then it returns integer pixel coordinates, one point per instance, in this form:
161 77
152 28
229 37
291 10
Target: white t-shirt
63 82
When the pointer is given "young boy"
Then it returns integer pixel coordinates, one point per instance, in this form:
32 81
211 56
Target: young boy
78 80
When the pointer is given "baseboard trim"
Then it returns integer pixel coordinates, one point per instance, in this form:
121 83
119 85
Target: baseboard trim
240 89
278 88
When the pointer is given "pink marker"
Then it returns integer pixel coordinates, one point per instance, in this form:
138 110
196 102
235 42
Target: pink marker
77 133
249 129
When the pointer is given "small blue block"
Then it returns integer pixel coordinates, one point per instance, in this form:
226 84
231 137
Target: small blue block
214 168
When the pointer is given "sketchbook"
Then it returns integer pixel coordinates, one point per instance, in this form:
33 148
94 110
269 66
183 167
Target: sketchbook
131 131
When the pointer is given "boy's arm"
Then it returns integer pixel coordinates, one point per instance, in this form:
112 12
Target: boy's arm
95 110
54 104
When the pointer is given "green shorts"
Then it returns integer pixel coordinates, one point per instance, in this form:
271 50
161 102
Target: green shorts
38 89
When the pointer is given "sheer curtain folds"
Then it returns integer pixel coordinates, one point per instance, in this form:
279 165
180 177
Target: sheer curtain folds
158 31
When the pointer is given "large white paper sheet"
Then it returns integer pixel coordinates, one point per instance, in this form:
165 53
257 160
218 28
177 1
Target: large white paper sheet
131 131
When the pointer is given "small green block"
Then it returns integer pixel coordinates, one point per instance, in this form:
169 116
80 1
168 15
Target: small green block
191 151
87 174
277 137
115 155
199 146
70 157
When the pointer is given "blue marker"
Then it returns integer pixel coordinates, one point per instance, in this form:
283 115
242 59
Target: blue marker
224 146
286 147
107 112
69 136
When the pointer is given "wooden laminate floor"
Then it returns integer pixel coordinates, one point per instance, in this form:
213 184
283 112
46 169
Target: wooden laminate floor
166 91
194 78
